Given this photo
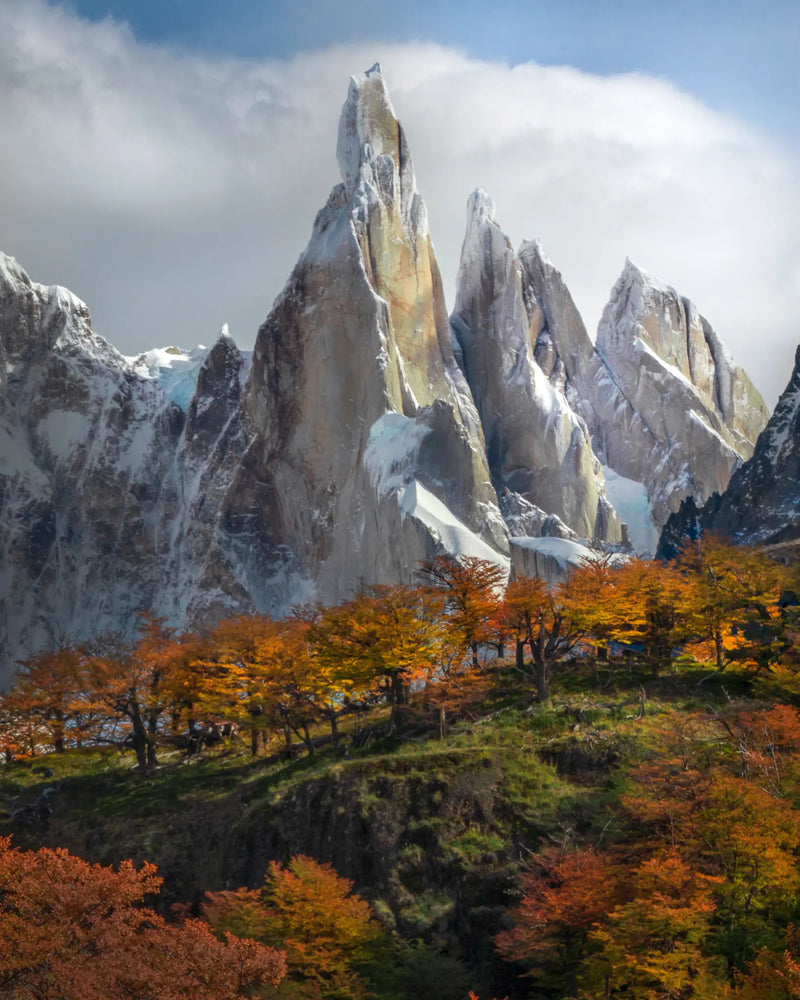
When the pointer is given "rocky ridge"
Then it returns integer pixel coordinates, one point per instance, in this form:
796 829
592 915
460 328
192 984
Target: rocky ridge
761 505
364 434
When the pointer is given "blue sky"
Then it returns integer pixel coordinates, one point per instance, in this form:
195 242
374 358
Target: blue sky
740 56
166 160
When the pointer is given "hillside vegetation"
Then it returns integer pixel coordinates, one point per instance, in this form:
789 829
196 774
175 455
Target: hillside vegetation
578 818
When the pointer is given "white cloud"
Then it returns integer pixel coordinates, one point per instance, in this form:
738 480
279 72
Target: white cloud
174 192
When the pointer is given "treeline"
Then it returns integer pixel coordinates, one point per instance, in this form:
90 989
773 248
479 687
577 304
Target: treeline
415 648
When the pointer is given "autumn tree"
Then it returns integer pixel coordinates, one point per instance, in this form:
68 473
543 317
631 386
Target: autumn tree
749 837
241 675
385 638
308 908
472 588
544 619
564 896
129 682
70 930
774 973
48 689
653 601
734 598
652 945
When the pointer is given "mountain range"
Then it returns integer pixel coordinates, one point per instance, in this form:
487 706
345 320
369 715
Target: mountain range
367 430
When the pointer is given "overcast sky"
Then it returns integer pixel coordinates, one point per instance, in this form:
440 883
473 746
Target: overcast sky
165 160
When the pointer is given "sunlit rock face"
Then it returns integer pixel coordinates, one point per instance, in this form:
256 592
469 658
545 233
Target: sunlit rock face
665 404
365 452
761 505
696 415
87 480
538 447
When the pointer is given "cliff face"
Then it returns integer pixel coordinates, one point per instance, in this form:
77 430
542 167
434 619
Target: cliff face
538 447
690 415
87 484
761 505
364 451
657 400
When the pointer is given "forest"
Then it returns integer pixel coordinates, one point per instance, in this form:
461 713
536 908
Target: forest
589 789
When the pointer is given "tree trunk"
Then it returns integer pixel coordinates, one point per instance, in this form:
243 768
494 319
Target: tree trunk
139 736
257 741
398 697
140 746
719 650
442 722
334 726
307 739
152 728
542 682
519 656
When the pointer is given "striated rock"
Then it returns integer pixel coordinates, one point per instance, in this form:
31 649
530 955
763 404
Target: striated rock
538 448
761 505
550 559
365 433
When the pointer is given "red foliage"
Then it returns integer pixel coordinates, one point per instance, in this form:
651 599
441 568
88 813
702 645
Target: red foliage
70 930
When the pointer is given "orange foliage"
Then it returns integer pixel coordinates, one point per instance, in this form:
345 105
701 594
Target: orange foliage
70 930
548 621
564 895
652 945
471 588
311 910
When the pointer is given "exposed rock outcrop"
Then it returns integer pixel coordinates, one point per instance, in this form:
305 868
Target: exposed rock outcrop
761 505
695 414
538 448
361 437
365 452
87 484
665 404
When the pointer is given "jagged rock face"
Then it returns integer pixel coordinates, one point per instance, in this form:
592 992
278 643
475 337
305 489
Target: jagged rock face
87 484
350 451
537 446
695 414
365 451
665 404
761 505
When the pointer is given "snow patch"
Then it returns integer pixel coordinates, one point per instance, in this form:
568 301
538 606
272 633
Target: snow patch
64 431
390 457
632 503
450 532
174 369
563 550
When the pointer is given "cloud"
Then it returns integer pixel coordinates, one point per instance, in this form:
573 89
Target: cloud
174 192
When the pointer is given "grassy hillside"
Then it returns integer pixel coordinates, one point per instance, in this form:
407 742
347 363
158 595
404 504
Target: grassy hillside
432 831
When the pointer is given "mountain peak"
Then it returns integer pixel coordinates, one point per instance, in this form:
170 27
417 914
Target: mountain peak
371 147
480 207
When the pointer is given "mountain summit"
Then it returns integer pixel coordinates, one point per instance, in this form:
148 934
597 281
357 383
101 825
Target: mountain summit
368 430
